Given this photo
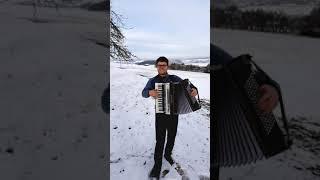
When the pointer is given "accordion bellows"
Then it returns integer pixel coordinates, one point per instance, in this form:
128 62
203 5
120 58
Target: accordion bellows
242 133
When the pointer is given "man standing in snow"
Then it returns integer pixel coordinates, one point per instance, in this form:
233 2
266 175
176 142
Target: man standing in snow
164 123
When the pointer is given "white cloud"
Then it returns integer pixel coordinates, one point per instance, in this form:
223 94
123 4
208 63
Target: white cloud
176 28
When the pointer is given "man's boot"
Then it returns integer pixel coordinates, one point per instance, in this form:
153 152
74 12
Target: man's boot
169 159
155 171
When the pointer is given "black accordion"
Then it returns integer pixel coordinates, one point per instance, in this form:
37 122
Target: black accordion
242 133
175 98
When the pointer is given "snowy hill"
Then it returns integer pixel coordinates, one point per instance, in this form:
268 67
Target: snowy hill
133 132
52 78
199 61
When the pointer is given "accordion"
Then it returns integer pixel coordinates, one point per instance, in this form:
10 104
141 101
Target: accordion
175 98
242 133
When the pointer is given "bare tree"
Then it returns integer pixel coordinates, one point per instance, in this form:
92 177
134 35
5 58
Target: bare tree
118 50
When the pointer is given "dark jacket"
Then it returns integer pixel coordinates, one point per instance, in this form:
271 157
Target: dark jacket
158 79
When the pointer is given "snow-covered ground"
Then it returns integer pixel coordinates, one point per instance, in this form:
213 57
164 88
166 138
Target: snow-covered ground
133 126
52 78
292 61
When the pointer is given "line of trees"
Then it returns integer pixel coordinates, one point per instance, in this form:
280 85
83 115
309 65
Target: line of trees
193 68
267 21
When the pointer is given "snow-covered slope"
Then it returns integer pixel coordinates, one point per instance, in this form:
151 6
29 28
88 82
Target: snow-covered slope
197 61
52 78
133 126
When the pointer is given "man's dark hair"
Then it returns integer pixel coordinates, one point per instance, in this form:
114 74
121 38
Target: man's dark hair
162 59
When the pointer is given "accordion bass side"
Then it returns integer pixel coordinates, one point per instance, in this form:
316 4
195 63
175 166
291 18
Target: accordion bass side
174 98
242 133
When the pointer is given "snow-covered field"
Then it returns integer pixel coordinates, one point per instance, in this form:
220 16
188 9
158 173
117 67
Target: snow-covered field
52 78
293 62
133 126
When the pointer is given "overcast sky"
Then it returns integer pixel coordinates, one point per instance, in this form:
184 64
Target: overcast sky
172 28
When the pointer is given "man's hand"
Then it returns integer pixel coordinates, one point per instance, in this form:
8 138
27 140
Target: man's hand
153 93
269 98
193 92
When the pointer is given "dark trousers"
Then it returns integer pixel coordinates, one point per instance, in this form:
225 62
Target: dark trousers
216 173
165 125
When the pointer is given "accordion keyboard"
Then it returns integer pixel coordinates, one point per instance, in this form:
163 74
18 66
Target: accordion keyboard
162 101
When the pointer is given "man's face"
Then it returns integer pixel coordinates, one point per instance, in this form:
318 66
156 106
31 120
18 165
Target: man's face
162 68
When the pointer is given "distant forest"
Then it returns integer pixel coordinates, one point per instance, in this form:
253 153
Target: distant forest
232 17
193 68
